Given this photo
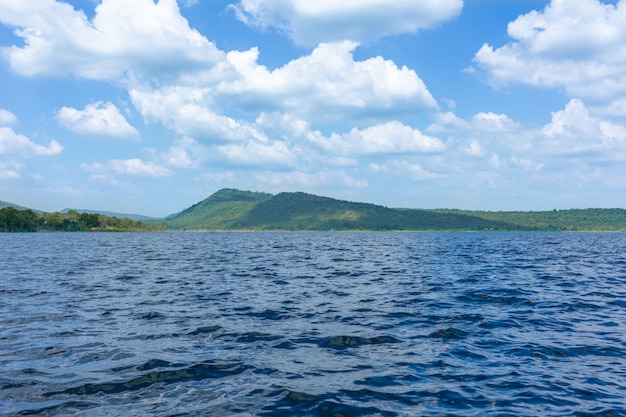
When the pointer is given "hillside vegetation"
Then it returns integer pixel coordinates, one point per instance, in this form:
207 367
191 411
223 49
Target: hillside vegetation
221 211
27 220
230 209
593 219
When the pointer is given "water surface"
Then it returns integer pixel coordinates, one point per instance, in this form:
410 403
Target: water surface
313 324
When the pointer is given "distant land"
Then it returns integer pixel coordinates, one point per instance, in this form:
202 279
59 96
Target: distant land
112 214
5 204
232 209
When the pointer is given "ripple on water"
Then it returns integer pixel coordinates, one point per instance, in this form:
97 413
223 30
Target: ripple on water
313 324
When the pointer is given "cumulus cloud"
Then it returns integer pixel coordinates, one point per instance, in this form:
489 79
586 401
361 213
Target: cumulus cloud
577 146
189 111
125 40
383 138
576 130
390 137
7 118
12 143
101 119
311 22
575 46
327 84
198 85
133 167
493 123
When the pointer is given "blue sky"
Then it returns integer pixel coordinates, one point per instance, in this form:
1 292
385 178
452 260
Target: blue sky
149 107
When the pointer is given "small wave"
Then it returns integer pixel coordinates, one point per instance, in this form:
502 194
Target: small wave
339 342
479 297
196 372
292 403
205 330
450 333
64 408
250 337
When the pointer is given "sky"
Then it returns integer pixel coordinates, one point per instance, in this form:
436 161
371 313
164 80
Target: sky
148 107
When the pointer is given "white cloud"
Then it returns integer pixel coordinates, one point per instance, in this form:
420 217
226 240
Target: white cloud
101 119
133 167
405 168
7 118
10 170
576 130
383 138
493 123
527 164
308 180
185 153
190 112
125 40
12 143
575 46
474 148
448 121
255 153
390 137
311 22
328 84
176 77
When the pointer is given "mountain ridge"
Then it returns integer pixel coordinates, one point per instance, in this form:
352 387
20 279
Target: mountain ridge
234 209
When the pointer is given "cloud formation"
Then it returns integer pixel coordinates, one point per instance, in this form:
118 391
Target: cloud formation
12 143
312 22
132 167
100 119
578 47
575 130
116 45
7 118
328 84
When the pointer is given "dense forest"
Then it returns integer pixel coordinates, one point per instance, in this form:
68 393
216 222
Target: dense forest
14 220
231 209
592 219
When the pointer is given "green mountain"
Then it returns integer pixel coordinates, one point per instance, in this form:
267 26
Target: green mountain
221 211
230 209
15 206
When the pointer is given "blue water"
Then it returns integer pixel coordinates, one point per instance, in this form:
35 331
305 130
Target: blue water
313 324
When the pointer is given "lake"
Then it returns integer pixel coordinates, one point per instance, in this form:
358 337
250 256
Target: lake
313 324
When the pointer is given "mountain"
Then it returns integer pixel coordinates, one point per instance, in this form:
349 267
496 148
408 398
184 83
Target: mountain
230 209
15 206
221 211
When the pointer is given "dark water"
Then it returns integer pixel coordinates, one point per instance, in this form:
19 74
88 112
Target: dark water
313 324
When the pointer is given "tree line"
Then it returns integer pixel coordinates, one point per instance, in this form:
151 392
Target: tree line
14 220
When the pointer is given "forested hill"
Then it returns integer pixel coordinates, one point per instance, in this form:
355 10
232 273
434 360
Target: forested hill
592 219
221 211
230 209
